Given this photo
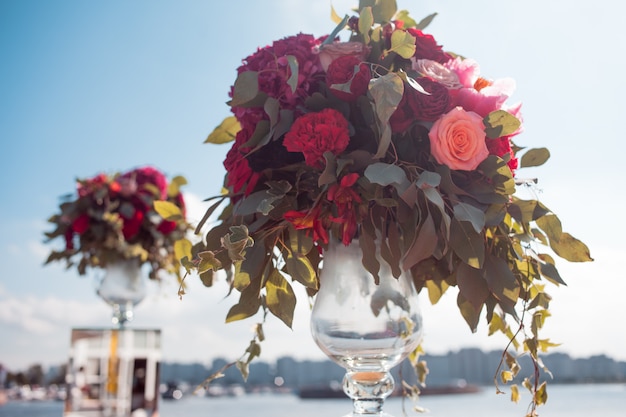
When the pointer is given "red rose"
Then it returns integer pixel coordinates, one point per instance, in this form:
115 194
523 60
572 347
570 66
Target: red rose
132 225
81 224
316 133
416 105
426 47
348 77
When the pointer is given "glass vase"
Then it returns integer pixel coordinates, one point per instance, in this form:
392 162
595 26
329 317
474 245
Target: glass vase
364 327
123 286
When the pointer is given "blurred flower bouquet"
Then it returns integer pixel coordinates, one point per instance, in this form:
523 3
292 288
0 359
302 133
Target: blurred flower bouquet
113 217
384 139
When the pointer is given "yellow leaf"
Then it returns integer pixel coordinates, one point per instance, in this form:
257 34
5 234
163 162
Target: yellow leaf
515 395
506 376
225 132
168 210
182 248
280 298
571 249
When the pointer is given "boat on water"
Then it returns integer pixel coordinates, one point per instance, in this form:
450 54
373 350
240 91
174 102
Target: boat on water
334 390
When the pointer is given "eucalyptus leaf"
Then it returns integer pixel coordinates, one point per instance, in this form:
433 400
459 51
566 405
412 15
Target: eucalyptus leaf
245 89
387 174
551 226
472 285
571 249
294 69
500 123
386 92
422 246
425 21
467 244
467 212
534 157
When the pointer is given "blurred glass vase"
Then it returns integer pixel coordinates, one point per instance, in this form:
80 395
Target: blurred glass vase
364 327
123 286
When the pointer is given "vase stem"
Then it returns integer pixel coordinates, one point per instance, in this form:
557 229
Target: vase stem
368 390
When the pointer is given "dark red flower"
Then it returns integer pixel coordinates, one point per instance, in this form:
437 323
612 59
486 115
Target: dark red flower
500 147
316 133
92 184
416 105
166 227
274 69
81 224
138 178
348 77
131 225
346 200
426 47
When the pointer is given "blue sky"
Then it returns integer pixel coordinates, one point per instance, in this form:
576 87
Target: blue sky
108 85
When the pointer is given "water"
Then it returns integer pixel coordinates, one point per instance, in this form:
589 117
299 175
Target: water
606 400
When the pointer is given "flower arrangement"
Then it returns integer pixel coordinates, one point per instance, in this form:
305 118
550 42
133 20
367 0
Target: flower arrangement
384 139
113 217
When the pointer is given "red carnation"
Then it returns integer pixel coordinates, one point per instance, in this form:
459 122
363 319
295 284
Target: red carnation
426 47
500 147
316 133
348 77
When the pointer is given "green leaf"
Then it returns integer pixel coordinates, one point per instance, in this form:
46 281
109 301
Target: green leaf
402 43
551 226
236 242
425 21
501 281
500 123
225 132
248 305
571 249
300 269
294 68
366 20
467 212
469 313
387 174
422 246
245 89
386 91
548 270
403 16
208 261
467 244
280 298
534 157
384 10
472 285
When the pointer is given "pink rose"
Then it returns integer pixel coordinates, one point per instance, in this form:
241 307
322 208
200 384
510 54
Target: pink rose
457 140
329 52
436 72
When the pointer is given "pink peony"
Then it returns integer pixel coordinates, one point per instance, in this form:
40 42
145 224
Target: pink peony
457 140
